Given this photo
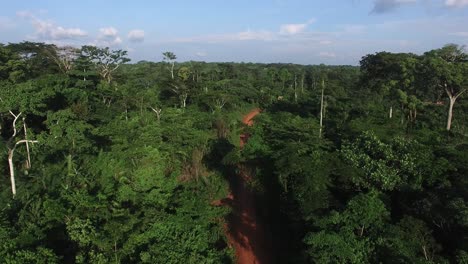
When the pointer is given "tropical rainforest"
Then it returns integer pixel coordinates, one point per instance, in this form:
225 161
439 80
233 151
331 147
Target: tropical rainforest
107 161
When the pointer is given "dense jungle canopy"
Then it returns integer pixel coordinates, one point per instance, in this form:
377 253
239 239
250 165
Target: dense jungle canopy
107 161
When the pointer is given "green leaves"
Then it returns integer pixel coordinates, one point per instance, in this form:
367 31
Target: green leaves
28 97
387 166
176 242
106 61
410 240
81 231
348 236
123 174
38 256
336 248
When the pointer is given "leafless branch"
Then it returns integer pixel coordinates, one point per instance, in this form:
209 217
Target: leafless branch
14 123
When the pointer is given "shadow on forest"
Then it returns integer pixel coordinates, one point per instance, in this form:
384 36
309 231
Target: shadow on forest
259 221
246 227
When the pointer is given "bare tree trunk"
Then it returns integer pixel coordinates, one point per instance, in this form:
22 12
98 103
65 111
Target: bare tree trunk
295 88
28 165
172 70
11 152
184 100
391 112
321 109
452 99
425 252
12 171
14 124
12 147
450 112
158 113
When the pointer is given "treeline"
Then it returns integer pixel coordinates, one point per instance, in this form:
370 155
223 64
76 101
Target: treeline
109 162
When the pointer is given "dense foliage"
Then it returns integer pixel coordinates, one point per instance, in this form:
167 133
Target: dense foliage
108 162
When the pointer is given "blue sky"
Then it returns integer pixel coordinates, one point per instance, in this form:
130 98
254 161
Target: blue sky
297 31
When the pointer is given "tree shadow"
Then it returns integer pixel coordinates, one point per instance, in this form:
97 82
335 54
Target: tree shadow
246 226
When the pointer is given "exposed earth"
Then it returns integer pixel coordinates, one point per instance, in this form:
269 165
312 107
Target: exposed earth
245 231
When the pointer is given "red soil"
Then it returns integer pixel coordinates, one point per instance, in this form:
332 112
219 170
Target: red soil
244 229
248 120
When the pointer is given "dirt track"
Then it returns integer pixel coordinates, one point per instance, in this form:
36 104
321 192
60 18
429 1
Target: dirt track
245 231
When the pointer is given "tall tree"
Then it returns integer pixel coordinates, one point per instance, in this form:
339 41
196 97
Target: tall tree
385 73
447 70
35 58
170 57
322 107
64 57
107 61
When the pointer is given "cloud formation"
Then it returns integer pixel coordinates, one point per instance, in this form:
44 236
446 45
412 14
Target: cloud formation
136 35
285 31
456 3
292 29
460 34
47 30
109 32
384 6
108 36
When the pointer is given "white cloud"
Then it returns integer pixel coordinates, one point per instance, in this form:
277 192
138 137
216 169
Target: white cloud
136 35
292 29
456 3
117 40
326 54
460 34
109 32
201 54
108 36
47 30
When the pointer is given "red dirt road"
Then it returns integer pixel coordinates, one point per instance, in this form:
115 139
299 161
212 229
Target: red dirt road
248 118
245 232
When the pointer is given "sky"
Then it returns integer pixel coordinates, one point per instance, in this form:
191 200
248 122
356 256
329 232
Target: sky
268 31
